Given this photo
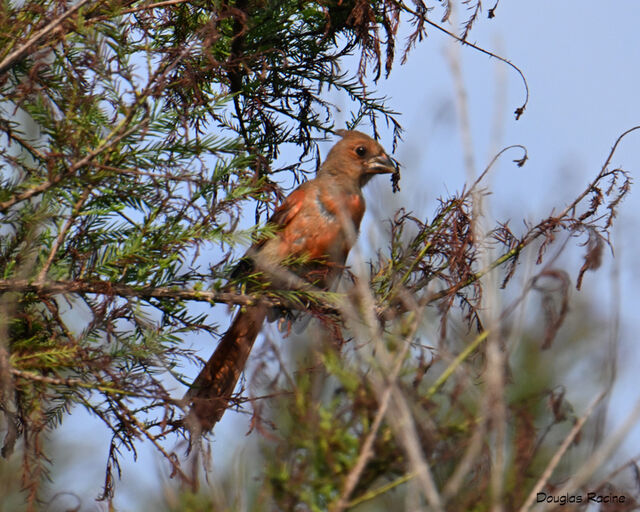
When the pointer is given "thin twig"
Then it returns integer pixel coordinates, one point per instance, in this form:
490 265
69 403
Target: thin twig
602 454
19 53
381 490
455 363
78 383
366 452
603 172
557 456
464 42
60 238
142 429
465 465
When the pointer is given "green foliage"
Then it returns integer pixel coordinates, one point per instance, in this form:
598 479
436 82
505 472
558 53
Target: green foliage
323 422
132 137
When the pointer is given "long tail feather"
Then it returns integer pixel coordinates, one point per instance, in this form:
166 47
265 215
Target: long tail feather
211 391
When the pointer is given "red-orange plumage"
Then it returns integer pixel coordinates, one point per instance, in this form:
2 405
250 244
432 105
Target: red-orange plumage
317 222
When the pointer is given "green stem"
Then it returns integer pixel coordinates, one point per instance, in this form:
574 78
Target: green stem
456 362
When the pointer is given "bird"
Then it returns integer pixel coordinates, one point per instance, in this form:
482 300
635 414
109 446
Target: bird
311 234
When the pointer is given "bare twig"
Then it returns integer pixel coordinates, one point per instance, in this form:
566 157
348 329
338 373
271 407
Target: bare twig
557 456
21 52
366 452
60 238
603 453
520 110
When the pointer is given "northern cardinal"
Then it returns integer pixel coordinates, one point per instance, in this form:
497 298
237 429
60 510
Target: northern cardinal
314 229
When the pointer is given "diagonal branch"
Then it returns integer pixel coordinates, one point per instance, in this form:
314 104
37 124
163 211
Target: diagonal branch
63 232
21 52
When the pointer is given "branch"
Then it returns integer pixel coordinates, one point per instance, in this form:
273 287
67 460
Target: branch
106 388
63 232
21 52
108 288
520 110
316 304
557 456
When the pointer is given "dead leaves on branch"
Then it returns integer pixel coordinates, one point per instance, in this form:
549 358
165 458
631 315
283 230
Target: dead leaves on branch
440 261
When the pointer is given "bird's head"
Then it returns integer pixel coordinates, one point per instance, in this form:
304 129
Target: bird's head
358 157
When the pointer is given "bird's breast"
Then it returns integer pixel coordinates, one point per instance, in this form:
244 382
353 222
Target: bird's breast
324 228
342 206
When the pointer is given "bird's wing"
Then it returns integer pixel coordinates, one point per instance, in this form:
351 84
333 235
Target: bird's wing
289 208
280 219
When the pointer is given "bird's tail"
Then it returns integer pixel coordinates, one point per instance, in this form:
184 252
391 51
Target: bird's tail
210 392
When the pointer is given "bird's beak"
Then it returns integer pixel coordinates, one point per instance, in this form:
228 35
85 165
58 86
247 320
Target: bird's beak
381 165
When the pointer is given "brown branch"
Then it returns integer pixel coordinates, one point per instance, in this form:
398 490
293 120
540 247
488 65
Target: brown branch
153 6
107 388
314 304
165 3
519 111
108 288
33 151
21 52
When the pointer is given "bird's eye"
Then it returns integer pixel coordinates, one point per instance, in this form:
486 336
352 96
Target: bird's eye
361 151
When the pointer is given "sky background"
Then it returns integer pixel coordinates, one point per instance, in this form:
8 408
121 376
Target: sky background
580 60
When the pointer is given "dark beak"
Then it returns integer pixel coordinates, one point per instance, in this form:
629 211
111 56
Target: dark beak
381 165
